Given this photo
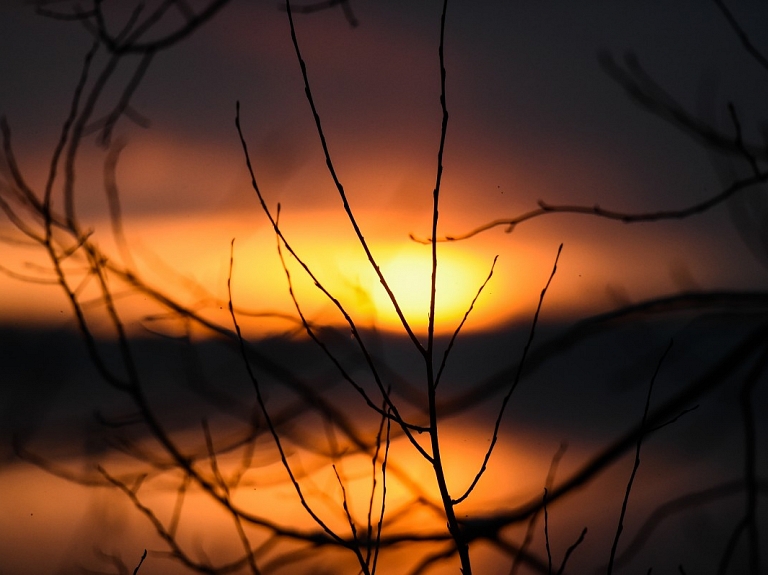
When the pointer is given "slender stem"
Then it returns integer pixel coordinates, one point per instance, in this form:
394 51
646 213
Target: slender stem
625 217
635 467
340 188
462 547
515 382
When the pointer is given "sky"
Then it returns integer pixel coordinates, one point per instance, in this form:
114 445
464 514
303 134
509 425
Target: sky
532 116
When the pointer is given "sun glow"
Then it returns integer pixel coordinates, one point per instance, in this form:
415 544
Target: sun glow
408 271
188 259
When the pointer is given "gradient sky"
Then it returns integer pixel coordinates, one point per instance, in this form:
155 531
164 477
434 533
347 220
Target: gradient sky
533 117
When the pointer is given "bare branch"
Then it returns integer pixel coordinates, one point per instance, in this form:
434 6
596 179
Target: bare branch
641 436
265 411
514 384
624 217
743 37
570 551
143 556
463 321
678 505
325 5
340 188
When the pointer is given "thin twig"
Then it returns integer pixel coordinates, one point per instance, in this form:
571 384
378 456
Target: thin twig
640 438
751 381
528 537
738 140
65 130
350 322
626 217
743 37
340 188
143 556
546 532
678 505
265 411
455 335
345 506
308 328
570 551
514 384
380 526
177 506
169 540
113 201
371 499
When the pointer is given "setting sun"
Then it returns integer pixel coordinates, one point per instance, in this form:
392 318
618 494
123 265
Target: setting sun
408 272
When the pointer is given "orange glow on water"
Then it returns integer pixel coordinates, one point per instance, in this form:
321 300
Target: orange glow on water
70 521
74 523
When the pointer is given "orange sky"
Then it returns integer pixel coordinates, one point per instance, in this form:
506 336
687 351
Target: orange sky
188 257
512 140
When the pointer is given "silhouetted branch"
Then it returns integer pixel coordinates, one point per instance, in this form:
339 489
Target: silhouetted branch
636 466
755 376
743 37
21 191
645 91
131 44
143 556
452 341
546 532
679 505
755 303
268 419
703 384
571 549
624 217
340 188
328 353
81 268
113 200
380 524
514 383
313 7
176 550
125 98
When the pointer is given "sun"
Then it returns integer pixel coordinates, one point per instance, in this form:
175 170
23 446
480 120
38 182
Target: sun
408 269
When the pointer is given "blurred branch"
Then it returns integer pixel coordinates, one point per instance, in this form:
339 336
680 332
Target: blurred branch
130 44
755 303
644 90
742 35
678 505
720 372
313 7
